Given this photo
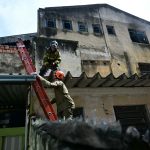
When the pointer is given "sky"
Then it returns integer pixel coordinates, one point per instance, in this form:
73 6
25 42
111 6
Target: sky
20 16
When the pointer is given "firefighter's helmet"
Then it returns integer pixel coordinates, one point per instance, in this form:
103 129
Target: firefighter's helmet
54 44
59 74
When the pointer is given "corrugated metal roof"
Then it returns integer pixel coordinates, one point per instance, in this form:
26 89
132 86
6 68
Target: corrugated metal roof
14 90
97 80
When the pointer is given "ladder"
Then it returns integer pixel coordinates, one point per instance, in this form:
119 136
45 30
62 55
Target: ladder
37 85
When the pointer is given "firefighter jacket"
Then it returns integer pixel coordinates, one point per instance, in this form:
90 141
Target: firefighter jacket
51 57
62 98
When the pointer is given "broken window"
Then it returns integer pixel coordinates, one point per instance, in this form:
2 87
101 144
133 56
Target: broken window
110 30
51 23
135 115
96 28
67 24
144 68
82 27
138 36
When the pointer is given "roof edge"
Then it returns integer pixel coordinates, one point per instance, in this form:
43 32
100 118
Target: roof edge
96 5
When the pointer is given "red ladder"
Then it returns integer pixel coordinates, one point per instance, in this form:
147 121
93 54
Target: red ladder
37 85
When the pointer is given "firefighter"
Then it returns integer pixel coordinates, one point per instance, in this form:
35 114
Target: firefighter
65 104
51 59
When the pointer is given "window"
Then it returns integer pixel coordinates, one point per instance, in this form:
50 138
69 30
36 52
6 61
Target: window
138 36
96 28
144 68
110 30
82 27
51 23
135 115
67 24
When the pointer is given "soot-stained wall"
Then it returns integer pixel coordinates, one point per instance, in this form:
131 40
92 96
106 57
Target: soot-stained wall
122 53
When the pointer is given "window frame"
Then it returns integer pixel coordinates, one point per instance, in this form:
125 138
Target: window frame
138 36
52 20
65 22
142 67
129 115
82 25
111 30
99 28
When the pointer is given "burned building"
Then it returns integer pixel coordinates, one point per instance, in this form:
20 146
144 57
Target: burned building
106 52
105 56
109 40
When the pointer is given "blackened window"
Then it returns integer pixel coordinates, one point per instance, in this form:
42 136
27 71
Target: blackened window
67 24
82 27
144 68
110 30
138 36
51 23
96 28
135 115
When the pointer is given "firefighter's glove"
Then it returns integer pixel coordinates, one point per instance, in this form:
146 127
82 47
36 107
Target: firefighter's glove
34 73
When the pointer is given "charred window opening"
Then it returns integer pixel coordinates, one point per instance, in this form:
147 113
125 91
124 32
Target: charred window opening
82 27
132 116
96 29
144 68
67 24
138 36
51 23
110 30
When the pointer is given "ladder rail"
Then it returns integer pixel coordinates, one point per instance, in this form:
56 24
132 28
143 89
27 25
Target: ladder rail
37 85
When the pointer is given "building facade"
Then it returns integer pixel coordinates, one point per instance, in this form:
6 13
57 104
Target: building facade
112 48
105 56
109 40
